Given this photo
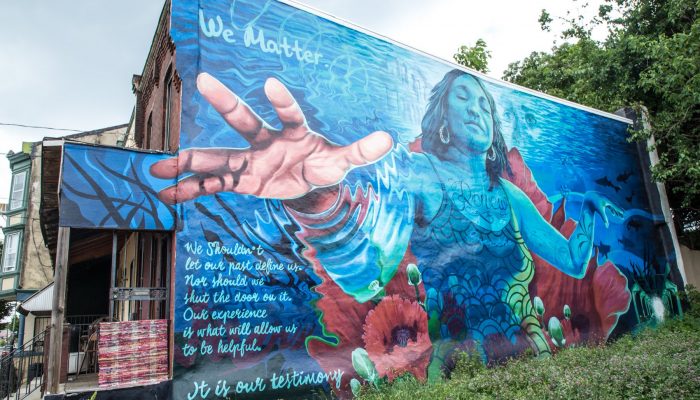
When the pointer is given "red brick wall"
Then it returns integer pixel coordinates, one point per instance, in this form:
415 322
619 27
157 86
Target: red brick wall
152 89
155 108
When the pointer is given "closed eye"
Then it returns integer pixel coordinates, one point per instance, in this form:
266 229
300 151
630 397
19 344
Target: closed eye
484 104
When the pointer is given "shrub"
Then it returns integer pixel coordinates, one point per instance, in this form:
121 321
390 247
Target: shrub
662 362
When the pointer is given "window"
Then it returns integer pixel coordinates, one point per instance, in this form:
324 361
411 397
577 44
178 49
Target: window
9 262
40 324
17 194
167 100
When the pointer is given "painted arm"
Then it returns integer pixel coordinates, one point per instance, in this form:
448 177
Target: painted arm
568 255
358 238
362 238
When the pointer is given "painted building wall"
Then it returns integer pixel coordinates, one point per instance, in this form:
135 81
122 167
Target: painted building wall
348 210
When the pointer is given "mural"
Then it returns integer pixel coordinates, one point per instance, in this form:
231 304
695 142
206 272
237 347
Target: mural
112 188
349 211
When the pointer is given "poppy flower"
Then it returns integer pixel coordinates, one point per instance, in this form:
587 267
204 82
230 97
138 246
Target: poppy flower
396 338
593 303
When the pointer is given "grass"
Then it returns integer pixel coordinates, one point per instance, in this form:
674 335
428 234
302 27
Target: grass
657 363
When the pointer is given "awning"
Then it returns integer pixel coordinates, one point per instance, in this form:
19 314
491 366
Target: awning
38 303
96 187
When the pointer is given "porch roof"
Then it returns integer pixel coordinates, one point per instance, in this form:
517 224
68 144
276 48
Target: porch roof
52 171
40 301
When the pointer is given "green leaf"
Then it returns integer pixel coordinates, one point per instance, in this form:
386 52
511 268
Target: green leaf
414 275
364 366
475 57
356 387
556 332
539 306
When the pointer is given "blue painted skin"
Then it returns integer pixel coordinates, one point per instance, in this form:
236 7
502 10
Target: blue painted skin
470 234
469 229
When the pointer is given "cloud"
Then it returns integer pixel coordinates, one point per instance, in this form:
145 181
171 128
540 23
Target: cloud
70 66
439 27
70 63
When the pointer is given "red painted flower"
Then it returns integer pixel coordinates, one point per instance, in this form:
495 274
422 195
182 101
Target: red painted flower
597 300
396 338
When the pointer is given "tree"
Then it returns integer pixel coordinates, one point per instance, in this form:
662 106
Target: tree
14 324
475 57
6 307
650 57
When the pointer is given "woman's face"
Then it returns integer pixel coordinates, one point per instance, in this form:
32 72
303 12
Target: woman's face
469 116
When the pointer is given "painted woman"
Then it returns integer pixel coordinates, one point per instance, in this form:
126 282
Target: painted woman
448 206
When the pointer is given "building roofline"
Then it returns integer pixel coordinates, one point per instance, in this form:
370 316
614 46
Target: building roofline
76 135
340 21
92 132
36 294
150 57
59 142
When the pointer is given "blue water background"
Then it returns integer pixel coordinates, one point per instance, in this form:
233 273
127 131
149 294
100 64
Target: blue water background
363 84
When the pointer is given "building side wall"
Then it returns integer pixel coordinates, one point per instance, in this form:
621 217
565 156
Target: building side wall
691 262
159 73
16 220
35 262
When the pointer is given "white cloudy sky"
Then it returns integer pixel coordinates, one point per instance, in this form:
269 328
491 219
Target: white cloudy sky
68 64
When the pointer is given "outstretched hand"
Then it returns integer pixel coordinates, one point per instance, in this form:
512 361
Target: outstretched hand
281 164
601 205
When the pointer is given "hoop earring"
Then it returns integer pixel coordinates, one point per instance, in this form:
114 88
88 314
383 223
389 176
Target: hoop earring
491 154
443 131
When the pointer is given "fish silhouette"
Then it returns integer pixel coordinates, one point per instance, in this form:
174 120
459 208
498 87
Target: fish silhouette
603 249
604 181
633 225
630 197
624 176
626 243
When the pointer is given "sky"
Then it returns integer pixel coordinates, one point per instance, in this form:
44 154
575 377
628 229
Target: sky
69 64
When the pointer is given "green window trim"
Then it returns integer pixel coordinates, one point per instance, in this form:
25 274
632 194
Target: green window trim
18 188
11 252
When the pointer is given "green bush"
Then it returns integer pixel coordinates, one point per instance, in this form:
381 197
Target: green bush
658 363
690 298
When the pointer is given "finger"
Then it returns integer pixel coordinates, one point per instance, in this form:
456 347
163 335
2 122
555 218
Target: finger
367 150
211 161
283 102
600 209
199 161
616 211
168 195
234 110
196 185
165 169
189 188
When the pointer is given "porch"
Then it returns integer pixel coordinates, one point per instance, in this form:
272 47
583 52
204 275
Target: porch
112 284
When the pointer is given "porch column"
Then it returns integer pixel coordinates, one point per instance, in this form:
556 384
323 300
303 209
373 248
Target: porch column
113 274
53 373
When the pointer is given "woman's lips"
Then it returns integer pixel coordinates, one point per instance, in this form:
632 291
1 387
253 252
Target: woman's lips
475 123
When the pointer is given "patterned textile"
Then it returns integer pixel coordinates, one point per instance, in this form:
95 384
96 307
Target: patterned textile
133 353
